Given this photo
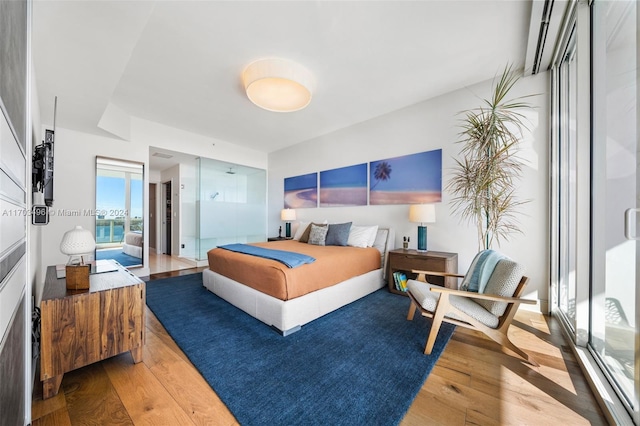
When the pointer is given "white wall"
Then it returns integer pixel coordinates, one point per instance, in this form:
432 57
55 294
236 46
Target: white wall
429 125
74 177
74 189
148 133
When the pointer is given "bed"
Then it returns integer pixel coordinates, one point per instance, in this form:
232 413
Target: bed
132 244
287 298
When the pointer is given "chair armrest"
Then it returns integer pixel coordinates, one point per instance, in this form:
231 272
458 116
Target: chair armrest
482 296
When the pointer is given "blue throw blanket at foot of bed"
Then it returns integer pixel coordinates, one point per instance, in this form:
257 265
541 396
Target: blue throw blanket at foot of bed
289 258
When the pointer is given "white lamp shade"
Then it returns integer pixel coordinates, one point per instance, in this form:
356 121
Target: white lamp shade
288 214
77 241
422 213
278 85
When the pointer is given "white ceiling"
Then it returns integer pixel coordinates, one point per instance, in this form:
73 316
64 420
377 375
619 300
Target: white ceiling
179 63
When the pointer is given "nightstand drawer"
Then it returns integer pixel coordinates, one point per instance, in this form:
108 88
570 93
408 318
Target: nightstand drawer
408 260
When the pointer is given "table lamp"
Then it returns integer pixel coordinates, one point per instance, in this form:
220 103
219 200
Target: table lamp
422 213
77 243
287 215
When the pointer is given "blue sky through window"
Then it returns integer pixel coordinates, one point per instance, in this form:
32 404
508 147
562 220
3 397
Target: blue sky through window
111 198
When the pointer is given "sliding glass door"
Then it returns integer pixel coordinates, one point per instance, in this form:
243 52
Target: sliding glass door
567 195
615 194
595 196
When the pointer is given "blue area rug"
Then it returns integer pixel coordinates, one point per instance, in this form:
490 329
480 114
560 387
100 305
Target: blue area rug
362 364
119 256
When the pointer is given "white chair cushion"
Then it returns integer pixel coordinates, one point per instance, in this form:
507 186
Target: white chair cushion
503 282
428 300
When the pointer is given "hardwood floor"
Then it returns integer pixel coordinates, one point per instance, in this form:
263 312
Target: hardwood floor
159 262
473 383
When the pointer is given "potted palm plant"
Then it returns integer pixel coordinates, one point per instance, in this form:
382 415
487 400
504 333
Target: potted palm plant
485 179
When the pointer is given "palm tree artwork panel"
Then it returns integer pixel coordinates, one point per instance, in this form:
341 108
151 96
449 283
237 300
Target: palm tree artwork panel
345 186
301 191
409 179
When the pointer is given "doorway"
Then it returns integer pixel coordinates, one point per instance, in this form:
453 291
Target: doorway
166 220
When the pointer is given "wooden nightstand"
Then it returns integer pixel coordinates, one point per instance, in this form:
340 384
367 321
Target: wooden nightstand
406 260
279 238
81 327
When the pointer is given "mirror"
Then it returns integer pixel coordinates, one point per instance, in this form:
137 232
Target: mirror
119 211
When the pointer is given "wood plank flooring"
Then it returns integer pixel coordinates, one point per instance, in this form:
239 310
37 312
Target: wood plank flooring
475 382
159 262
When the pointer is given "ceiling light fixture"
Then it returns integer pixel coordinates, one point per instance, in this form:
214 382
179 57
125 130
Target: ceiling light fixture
278 85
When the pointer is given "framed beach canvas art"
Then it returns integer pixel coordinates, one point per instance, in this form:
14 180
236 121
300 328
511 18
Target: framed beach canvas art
301 191
346 186
410 179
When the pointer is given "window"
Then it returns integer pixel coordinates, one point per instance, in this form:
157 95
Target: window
119 201
612 336
596 195
566 155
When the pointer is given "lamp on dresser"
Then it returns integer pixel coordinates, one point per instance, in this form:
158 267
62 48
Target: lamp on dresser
76 244
287 215
422 213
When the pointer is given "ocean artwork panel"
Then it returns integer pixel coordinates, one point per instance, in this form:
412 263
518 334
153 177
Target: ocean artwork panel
301 191
346 186
409 179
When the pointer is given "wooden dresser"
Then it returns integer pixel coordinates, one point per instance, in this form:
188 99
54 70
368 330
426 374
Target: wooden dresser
81 327
407 260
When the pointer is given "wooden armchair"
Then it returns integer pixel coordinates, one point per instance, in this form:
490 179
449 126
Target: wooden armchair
490 312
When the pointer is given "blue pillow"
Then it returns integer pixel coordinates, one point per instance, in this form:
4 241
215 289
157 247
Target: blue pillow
338 234
480 271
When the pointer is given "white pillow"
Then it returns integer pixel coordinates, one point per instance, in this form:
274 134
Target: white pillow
362 236
373 231
301 227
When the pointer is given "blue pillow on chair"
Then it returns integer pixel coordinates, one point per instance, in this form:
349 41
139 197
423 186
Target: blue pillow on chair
480 271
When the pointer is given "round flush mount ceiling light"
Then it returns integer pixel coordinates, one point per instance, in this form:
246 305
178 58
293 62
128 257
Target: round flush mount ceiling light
278 85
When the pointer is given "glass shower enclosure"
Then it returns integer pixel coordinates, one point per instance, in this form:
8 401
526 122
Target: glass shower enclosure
230 205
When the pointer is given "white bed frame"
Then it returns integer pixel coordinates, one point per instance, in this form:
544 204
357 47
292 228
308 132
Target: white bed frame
289 316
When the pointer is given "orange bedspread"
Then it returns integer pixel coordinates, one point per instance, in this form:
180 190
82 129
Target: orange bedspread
333 265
